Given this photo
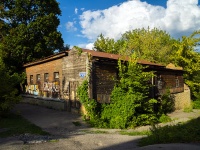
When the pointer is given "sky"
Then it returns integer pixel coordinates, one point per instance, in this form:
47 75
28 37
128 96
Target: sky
82 21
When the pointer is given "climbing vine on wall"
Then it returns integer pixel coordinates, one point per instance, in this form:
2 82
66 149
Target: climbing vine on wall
89 104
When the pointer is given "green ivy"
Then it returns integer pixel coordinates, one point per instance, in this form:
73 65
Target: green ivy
89 104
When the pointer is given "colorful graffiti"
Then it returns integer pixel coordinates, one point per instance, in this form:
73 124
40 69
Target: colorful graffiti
49 89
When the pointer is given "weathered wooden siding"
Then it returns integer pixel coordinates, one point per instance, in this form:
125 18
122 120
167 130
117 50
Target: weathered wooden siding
172 80
104 77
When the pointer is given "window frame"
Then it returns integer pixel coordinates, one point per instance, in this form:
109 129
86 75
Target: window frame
177 82
46 77
31 79
56 78
38 77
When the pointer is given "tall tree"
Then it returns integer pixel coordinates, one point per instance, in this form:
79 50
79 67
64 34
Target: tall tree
188 57
154 45
31 30
108 45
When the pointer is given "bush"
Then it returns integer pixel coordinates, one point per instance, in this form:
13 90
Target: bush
8 92
196 104
130 103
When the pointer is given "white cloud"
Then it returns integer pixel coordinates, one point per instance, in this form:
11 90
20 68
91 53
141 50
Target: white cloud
76 10
180 17
86 45
70 26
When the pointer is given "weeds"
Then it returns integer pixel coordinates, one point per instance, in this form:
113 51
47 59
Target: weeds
180 133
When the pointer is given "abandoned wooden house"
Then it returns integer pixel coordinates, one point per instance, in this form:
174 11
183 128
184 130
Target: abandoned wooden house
55 78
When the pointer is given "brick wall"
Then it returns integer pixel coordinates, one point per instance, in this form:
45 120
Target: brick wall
47 67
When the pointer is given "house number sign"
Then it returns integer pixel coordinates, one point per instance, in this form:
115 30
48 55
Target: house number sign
82 74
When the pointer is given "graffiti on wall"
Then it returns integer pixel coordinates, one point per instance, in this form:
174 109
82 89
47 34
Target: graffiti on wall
48 89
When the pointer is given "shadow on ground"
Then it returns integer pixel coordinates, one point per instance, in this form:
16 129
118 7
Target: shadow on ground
67 133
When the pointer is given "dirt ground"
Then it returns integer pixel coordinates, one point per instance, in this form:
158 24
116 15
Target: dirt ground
65 135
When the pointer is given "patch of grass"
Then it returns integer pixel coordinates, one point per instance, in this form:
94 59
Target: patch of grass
76 123
16 125
164 118
95 131
134 133
180 133
188 109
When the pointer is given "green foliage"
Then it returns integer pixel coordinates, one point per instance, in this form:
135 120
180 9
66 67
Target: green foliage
130 105
189 59
107 45
134 133
29 31
8 92
196 104
89 104
166 103
154 45
150 44
79 50
158 46
185 132
164 118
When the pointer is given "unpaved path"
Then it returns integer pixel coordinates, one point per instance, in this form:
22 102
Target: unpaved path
68 136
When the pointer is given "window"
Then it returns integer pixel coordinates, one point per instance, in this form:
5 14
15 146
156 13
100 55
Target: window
46 77
177 81
56 75
38 77
159 82
31 79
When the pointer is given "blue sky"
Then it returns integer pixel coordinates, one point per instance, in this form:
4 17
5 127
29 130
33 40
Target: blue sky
83 20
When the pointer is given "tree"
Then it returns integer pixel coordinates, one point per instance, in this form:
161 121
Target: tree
107 45
8 92
154 45
187 57
30 31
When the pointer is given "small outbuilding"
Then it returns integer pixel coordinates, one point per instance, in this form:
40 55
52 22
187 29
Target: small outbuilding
57 77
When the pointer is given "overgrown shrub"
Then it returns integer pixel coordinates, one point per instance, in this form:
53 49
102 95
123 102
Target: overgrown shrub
166 103
8 92
130 103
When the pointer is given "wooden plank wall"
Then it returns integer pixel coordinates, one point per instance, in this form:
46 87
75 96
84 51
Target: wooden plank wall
104 76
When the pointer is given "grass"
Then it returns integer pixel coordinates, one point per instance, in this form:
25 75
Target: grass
181 133
95 131
13 125
134 133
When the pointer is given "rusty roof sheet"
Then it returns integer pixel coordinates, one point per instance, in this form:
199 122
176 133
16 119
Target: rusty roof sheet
116 56
92 53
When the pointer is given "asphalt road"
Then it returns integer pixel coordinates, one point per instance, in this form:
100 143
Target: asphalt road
69 136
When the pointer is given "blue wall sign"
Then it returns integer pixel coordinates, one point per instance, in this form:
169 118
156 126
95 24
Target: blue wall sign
82 74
